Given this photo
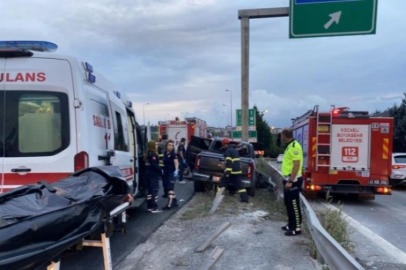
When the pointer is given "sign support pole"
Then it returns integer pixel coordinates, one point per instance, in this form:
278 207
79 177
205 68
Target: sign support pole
245 15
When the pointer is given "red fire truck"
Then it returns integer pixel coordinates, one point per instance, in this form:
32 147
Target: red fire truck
177 129
345 152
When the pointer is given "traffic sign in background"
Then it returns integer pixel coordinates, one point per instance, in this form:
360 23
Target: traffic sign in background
317 18
252 135
251 117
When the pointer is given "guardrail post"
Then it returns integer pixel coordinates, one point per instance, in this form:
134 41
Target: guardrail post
322 219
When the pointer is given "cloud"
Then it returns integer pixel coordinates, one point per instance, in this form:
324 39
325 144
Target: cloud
181 55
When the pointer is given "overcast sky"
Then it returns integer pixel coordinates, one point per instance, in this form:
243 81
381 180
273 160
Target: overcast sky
181 55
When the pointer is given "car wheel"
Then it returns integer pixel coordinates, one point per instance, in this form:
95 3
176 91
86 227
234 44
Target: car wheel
199 186
251 190
392 183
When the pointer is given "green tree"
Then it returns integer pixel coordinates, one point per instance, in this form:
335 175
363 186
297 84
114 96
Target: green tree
399 133
264 139
398 112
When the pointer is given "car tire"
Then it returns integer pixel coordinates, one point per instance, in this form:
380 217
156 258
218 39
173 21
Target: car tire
251 190
392 183
199 186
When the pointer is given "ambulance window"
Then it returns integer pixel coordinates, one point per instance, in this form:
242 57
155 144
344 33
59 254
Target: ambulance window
37 123
120 137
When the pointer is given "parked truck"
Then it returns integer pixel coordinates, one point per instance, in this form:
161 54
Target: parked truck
345 152
205 157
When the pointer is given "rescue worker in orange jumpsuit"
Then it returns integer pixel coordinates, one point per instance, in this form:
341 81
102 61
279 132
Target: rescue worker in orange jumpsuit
232 173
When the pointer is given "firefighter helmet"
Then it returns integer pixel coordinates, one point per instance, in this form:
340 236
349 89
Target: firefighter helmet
225 141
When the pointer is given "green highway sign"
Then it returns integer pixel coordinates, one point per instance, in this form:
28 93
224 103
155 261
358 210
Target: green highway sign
252 135
251 117
320 18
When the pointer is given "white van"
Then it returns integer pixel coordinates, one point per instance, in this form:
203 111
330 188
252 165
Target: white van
59 115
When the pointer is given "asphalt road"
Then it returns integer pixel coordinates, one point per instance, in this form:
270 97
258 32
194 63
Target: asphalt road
385 216
140 225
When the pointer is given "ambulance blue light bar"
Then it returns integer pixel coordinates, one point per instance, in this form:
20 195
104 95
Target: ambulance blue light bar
117 94
40 46
88 67
90 77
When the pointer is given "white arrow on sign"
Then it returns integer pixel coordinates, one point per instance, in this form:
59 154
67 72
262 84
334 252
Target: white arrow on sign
335 17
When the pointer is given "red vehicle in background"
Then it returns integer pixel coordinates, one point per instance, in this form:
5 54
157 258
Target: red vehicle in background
345 151
177 129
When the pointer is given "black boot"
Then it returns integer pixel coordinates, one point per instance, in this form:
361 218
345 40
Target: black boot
172 202
244 197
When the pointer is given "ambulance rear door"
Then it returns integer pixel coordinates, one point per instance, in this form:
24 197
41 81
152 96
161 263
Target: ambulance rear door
121 142
38 124
2 121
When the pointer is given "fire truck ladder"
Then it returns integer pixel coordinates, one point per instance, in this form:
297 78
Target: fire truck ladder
323 138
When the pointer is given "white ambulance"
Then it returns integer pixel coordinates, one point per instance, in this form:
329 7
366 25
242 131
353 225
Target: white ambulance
59 115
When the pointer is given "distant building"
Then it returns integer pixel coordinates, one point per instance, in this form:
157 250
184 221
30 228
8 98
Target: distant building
219 132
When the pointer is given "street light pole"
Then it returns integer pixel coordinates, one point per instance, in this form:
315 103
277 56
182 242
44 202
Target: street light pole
231 107
227 112
143 111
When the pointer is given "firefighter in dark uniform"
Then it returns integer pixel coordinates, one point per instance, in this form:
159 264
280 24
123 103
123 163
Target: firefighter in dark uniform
152 174
232 172
292 172
161 152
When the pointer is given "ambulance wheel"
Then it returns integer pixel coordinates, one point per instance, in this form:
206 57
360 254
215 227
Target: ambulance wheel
199 186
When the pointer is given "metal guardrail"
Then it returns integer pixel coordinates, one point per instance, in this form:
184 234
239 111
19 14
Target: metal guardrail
335 256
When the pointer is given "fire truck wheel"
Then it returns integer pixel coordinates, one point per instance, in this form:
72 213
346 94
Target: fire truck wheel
367 197
309 195
199 186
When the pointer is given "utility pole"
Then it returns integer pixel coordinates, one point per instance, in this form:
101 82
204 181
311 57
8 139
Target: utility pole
143 111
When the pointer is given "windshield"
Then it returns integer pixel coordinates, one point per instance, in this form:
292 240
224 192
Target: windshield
33 123
400 159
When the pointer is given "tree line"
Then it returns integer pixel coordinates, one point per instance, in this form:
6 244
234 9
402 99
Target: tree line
398 112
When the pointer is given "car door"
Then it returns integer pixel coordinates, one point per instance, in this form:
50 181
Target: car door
121 140
2 123
196 145
37 125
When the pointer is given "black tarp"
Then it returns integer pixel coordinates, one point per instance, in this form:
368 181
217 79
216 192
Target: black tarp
38 222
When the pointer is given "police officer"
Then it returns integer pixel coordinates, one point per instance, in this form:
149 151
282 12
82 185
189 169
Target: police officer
292 172
152 174
161 152
232 172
